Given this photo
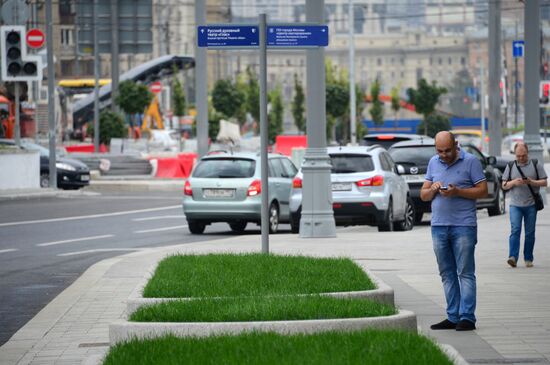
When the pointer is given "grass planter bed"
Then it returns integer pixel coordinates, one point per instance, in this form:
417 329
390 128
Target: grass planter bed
361 347
176 277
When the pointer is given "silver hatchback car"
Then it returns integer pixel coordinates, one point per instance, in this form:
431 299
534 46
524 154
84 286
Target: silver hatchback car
366 189
226 187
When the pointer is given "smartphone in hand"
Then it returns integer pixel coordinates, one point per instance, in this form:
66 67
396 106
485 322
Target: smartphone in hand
444 188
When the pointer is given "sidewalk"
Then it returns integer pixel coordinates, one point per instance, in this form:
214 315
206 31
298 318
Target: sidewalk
513 304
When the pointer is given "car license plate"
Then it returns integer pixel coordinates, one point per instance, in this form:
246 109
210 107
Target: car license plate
341 186
85 177
415 178
218 193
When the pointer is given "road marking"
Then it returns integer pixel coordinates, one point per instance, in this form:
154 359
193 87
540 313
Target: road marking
90 216
159 217
98 250
75 240
161 229
9 250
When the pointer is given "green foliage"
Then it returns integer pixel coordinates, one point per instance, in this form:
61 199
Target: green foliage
395 100
133 98
457 94
253 94
425 98
298 105
227 98
377 109
178 98
275 117
111 125
436 123
360 128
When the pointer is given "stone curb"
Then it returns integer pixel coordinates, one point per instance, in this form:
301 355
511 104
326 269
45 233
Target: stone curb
125 331
383 294
451 352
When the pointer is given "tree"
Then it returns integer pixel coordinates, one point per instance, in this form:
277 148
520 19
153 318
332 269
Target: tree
253 94
226 98
133 98
436 123
425 98
377 109
298 106
111 125
460 103
337 97
178 98
275 116
359 106
395 104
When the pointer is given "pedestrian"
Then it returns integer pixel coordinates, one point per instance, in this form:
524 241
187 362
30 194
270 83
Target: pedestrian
523 178
454 180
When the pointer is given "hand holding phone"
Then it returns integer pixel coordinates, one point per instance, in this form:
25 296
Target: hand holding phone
443 188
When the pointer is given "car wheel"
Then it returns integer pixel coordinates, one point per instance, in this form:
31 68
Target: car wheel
273 218
238 227
499 206
407 223
44 180
387 225
418 217
196 226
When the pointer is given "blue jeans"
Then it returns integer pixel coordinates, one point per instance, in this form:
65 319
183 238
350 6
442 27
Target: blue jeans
529 216
454 248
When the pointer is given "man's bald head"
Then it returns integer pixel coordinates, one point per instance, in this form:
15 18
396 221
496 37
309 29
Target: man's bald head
522 153
445 146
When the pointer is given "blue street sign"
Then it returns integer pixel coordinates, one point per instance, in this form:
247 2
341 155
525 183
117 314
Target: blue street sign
517 48
228 36
471 92
294 35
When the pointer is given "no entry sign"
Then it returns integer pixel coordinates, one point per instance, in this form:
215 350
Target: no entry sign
35 38
156 87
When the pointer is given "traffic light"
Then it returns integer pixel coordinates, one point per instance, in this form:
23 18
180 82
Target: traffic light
16 64
544 93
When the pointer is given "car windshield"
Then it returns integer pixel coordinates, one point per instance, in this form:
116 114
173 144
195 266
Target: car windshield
215 168
413 155
349 163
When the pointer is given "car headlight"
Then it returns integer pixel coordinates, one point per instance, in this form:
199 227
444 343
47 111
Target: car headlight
64 166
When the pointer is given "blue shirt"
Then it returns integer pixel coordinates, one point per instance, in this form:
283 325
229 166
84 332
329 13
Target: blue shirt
465 172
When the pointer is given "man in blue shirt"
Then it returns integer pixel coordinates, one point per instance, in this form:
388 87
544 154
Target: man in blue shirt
454 180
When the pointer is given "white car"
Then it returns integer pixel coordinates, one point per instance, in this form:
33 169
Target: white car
366 189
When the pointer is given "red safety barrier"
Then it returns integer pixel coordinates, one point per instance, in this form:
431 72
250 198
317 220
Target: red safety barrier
285 144
187 161
85 148
169 167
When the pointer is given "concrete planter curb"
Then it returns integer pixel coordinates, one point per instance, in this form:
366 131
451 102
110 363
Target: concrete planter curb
452 354
125 331
383 294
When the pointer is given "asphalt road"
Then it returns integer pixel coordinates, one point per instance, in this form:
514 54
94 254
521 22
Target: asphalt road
47 243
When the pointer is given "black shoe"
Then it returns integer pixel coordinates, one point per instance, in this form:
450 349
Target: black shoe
444 325
465 325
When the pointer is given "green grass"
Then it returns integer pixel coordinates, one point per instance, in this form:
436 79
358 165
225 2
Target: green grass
227 275
371 347
260 309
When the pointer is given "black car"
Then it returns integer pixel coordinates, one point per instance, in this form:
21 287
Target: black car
413 157
71 173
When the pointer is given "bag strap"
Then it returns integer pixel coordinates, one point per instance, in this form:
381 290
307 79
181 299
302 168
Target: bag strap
523 176
535 165
510 165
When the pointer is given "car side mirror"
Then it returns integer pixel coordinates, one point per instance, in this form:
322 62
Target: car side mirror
492 160
400 169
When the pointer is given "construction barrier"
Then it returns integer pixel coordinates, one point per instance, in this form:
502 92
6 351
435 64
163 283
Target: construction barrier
285 144
175 167
85 148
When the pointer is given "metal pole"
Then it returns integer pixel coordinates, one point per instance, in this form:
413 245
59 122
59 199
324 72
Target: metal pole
516 90
532 80
76 60
35 84
96 79
352 112
494 77
114 54
317 218
17 116
201 78
482 104
263 134
51 96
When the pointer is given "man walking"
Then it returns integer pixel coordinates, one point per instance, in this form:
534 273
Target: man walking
523 178
454 180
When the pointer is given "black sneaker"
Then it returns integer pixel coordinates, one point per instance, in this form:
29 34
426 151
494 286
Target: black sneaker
465 325
444 325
